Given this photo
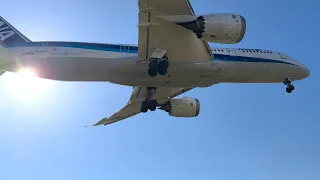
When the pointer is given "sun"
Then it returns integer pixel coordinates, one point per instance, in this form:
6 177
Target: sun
25 86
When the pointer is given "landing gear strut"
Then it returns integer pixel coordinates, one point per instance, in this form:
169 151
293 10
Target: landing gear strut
290 87
149 104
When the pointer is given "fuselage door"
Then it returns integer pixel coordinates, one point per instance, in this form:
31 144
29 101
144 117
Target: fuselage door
42 46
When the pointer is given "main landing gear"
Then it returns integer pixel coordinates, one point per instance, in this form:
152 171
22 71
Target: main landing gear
149 104
158 63
158 66
290 87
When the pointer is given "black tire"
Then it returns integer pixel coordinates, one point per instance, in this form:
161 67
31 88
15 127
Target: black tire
291 87
162 71
163 64
153 65
152 105
144 107
288 90
152 72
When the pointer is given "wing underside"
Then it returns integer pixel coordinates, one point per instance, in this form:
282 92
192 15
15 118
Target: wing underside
154 32
137 96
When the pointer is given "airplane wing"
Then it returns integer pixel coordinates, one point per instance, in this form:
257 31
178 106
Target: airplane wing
131 109
133 106
154 32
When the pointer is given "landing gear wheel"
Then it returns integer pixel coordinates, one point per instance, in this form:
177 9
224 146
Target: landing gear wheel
149 105
291 87
163 64
162 71
158 65
288 90
152 72
153 64
144 106
153 105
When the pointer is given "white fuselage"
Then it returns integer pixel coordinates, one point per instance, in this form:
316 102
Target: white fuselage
74 61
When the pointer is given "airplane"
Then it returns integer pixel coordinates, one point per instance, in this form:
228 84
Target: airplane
172 57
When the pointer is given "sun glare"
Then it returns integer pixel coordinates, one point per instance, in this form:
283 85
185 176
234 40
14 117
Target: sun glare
25 86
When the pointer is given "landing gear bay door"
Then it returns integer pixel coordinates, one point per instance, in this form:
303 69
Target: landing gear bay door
180 43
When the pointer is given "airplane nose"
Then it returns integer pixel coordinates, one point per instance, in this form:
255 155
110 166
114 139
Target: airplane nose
305 72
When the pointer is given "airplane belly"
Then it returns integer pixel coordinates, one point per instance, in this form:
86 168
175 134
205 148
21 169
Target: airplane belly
90 69
74 68
179 75
244 72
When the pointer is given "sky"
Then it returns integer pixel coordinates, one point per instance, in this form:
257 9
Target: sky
243 132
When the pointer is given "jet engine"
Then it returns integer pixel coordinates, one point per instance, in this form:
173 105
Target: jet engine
182 107
223 28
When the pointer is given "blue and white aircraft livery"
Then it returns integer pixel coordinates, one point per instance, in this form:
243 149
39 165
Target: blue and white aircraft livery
172 57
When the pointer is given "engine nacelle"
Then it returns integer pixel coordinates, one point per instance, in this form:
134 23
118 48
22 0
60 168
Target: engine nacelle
221 28
182 107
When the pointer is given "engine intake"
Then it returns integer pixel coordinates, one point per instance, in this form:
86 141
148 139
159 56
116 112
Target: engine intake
182 107
221 28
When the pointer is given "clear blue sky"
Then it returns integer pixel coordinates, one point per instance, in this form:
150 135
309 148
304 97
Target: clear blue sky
244 131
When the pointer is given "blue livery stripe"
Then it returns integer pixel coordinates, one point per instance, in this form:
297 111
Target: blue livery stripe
134 50
82 45
223 57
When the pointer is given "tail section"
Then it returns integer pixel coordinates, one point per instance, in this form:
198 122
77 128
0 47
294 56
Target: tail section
10 35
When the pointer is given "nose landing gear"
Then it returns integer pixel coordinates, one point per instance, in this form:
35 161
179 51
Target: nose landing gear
289 87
